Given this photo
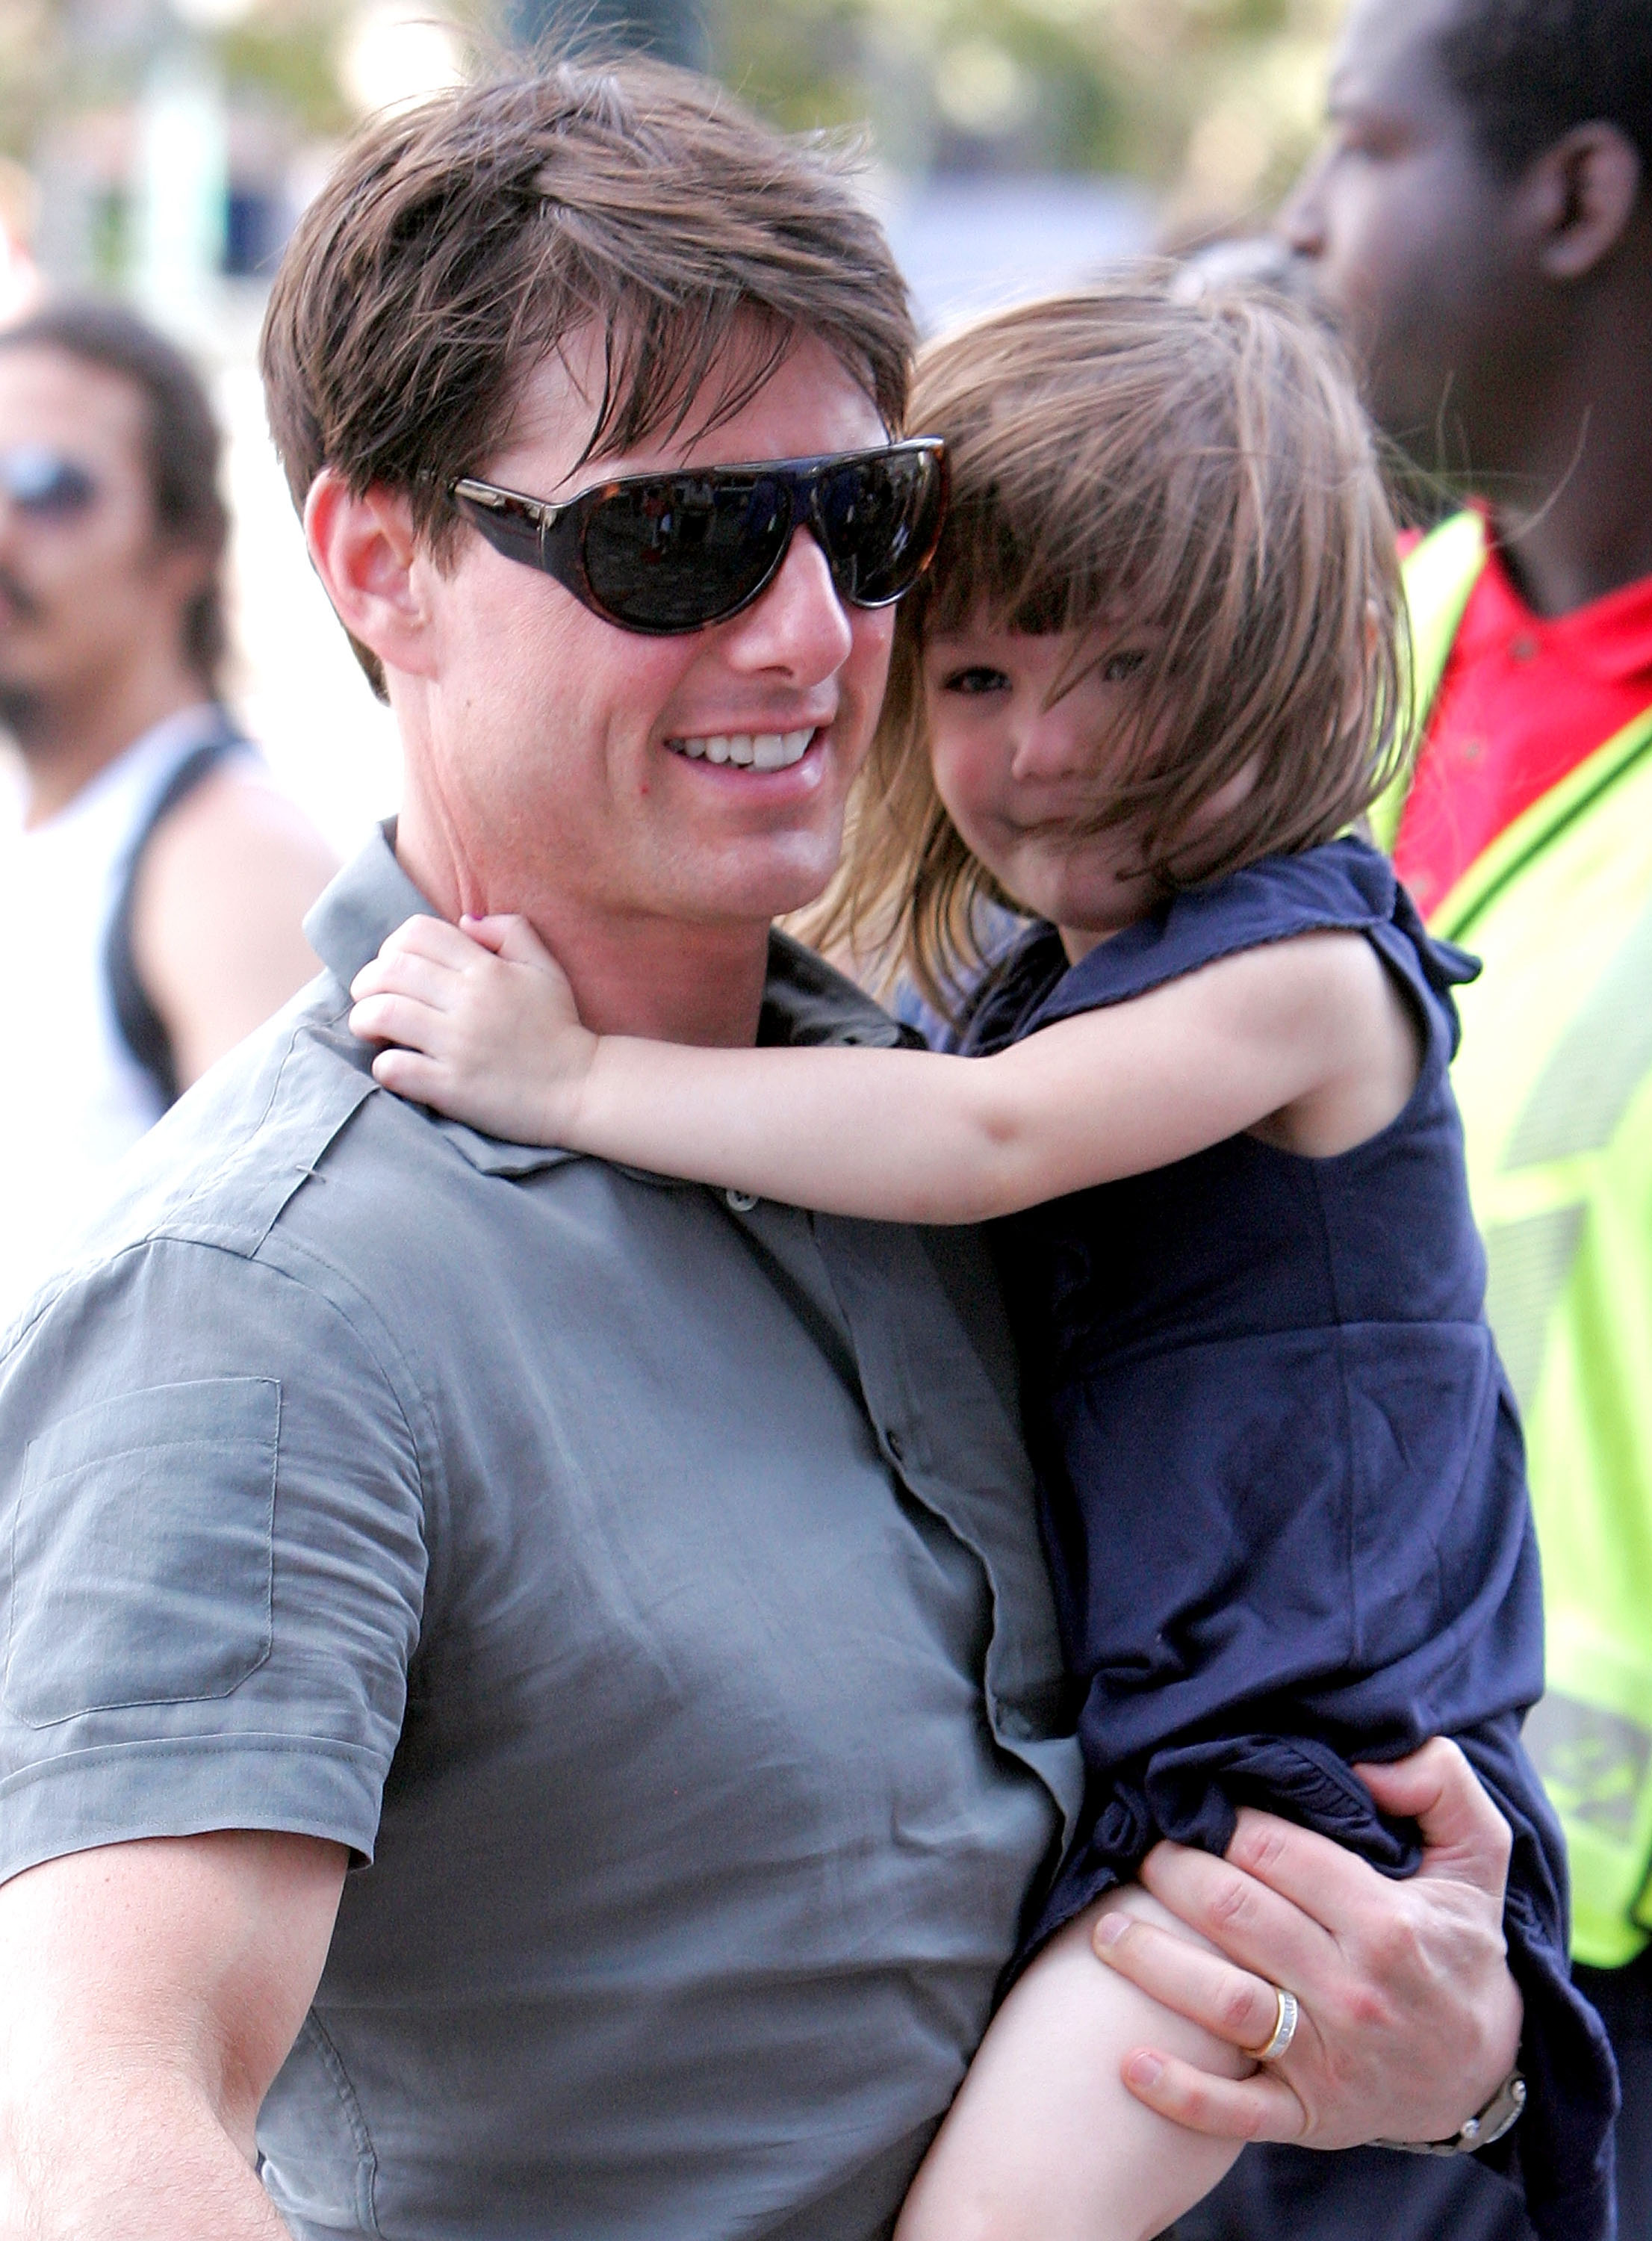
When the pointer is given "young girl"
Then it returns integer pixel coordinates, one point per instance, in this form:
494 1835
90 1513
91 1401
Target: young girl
1151 681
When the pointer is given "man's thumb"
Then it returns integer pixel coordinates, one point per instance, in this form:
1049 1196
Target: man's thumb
1463 1834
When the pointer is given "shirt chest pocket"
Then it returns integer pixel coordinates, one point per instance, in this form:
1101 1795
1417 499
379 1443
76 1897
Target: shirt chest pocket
141 1551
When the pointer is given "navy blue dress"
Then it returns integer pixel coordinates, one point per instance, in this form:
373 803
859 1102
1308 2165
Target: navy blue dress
1282 1477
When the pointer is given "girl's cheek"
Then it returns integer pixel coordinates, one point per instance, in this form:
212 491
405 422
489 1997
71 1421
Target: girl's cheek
965 756
977 823
950 772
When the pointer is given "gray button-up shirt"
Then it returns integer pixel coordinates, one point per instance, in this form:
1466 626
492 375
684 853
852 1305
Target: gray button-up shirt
643 1582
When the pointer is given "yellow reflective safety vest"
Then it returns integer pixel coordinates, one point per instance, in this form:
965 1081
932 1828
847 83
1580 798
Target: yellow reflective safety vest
1555 1081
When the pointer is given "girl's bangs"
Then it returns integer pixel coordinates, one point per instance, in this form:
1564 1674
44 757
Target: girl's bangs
1201 475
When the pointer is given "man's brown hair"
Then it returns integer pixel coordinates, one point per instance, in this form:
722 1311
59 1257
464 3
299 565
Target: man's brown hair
1192 485
458 244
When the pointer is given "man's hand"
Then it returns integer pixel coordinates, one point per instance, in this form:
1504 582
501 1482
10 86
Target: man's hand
481 1024
151 1992
1409 2018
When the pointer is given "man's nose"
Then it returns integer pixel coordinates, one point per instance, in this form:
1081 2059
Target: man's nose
798 626
1301 222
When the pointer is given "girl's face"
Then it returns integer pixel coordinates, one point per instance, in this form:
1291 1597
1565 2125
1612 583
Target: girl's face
1022 778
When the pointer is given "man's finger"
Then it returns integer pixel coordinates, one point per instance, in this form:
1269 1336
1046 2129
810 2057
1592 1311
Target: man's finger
1234 1908
1324 1879
1232 2004
1261 2107
1463 1833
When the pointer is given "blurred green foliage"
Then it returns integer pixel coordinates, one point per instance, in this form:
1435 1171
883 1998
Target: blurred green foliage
1214 102
28 67
289 51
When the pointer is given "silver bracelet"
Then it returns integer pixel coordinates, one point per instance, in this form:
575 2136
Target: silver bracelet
1498 2116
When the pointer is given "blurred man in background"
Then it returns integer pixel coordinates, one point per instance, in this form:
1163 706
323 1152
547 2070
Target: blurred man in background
1481 220
151 881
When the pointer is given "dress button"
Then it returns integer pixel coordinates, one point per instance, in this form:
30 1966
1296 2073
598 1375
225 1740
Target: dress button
741 1201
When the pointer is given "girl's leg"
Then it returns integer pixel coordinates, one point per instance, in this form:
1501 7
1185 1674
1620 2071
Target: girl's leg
1043 2142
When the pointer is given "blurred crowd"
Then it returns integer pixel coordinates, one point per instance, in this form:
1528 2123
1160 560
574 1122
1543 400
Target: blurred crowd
1483 238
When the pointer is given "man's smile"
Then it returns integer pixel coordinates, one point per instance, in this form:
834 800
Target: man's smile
763 751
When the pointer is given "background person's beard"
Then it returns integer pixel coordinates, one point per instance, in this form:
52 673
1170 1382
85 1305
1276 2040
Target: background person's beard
20 712
20 706
21 598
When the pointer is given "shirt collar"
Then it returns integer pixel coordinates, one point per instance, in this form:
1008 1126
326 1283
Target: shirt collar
1610 637
805 1002
365 903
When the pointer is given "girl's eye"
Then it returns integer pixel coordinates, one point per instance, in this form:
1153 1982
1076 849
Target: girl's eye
976 678
1118 667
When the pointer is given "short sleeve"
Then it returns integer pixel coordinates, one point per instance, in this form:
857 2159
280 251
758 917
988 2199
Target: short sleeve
212 1558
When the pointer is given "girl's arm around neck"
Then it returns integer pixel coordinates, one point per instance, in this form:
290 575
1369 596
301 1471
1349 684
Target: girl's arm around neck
1292 1038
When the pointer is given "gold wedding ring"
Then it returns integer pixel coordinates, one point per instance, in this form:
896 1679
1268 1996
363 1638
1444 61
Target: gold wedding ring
1284 2027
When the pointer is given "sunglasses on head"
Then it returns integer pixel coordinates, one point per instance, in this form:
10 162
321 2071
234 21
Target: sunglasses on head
44 484
666 554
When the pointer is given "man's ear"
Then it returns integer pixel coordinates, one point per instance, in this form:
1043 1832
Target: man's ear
364 549
1583 192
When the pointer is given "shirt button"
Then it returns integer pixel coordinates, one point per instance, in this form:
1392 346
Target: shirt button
740 1201
897 1447
1524 648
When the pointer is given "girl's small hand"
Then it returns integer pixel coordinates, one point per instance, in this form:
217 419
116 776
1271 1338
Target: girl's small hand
480 1022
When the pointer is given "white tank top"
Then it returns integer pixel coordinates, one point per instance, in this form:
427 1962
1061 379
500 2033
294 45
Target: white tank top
75 1098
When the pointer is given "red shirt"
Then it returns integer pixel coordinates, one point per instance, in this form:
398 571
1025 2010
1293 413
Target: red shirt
1524 700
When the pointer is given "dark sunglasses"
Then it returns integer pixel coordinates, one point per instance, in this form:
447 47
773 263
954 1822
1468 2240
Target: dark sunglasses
672 553
43 484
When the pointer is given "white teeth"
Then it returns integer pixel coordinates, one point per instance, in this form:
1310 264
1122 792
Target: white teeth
764 751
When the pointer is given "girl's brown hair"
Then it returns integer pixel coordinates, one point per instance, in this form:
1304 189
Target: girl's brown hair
1195 481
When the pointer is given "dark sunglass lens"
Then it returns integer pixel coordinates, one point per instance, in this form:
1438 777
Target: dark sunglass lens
42 482
879 519
675 554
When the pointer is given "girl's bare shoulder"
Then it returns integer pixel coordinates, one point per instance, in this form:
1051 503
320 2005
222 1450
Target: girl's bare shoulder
1364 1025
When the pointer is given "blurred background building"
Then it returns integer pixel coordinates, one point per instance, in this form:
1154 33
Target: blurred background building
160 151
